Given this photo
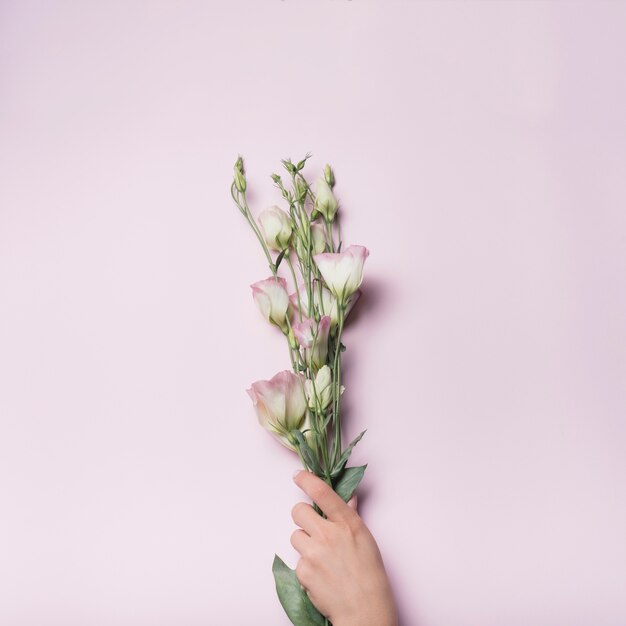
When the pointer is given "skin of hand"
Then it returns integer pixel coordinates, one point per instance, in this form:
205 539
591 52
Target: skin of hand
340 566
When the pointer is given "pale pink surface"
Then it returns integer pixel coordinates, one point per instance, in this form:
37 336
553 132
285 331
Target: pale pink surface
479 150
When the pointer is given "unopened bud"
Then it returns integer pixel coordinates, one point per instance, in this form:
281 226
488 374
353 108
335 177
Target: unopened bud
301 190
293 344
329 176
240 181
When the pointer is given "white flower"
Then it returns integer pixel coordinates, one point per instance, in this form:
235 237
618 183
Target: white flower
276 227
281 405
273 301
342 271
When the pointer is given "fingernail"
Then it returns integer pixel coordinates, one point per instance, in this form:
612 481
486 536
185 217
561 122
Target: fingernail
296 473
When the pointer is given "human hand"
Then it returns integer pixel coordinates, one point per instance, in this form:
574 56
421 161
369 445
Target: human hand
340 567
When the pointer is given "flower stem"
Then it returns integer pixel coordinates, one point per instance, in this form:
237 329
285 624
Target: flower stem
337 385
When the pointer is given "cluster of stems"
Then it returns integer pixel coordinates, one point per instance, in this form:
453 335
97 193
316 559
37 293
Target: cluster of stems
325 442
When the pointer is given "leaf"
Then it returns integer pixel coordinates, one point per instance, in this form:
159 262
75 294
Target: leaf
279 258
296 603
349 481
343 459
307 454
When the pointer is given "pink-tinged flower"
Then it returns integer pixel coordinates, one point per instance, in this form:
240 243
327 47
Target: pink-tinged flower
273 301
276 227
313 337
327 305
280 404
342 271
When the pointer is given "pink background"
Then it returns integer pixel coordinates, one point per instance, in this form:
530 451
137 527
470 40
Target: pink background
480 154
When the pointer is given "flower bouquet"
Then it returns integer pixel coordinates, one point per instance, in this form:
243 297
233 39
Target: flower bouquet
301 406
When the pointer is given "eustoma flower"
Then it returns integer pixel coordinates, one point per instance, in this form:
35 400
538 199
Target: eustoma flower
281 405
276 226
273 301
342 271
313 336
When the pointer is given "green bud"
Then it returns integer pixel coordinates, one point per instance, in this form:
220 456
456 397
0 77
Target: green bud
329 176
239 165
293 344
240 181
301 165
277 179
314 214
301 190
289 166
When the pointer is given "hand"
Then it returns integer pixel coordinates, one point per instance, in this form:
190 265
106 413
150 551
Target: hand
340 566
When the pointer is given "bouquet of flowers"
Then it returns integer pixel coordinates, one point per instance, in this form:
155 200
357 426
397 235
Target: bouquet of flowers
301 406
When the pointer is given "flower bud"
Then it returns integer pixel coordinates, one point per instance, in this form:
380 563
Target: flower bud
276 227
240 181
329 177
313 337
301 190
318 238
320 397
325 201
293 343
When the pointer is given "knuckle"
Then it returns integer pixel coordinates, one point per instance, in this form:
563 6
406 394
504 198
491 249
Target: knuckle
303 571
296 507
351 526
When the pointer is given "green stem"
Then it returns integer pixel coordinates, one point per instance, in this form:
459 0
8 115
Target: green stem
295 282
337 385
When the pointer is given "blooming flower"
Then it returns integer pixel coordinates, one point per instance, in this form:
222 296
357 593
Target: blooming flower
342 271
273 301
276 227
280 405
314 336
325 201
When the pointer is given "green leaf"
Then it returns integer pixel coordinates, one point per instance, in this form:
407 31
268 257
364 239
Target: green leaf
296 603
307 454
279 258
343 459
349 481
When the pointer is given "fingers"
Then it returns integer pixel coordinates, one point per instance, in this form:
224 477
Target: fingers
327 500
300 541
304 515
352 502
